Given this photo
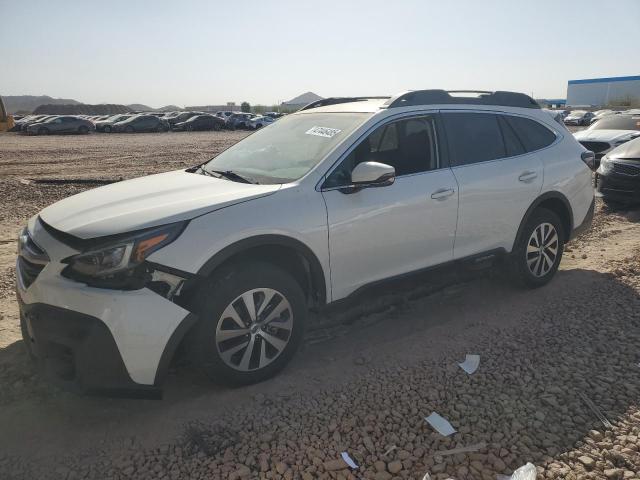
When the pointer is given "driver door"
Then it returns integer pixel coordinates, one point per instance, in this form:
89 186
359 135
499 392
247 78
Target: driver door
381 232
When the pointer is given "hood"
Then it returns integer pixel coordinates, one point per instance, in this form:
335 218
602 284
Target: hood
629 150
146 202
604 135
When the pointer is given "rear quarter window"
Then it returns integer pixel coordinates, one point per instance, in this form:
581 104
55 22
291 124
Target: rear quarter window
532 134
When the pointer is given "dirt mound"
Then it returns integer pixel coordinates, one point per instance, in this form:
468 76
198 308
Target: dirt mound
81 109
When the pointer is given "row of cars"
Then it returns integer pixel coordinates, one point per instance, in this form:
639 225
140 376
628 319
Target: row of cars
142 122
615 140
582 118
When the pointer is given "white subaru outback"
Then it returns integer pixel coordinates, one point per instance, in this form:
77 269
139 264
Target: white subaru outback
228 257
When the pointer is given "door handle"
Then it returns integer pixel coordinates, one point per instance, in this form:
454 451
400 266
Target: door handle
442 193
528 177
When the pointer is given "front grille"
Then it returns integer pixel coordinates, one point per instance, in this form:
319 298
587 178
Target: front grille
595 147
28 271
626 169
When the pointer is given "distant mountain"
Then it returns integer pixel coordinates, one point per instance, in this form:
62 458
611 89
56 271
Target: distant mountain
139 107
168 108
28 103
301 100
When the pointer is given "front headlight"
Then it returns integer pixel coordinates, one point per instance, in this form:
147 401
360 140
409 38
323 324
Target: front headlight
605 165
121 256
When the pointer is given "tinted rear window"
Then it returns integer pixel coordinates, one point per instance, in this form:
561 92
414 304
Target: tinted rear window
473 137
533 135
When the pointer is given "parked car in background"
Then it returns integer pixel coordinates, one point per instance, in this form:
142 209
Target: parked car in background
274 114
231 255
578 118
199 122
28 120
609 132
259 122
597 115
239 120
182 117
618 177
141 123
61 124
107 125
224 114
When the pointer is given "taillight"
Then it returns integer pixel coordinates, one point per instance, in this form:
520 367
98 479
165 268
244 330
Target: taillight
589 158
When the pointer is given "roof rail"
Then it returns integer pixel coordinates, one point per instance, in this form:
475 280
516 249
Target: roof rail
336 100
482 97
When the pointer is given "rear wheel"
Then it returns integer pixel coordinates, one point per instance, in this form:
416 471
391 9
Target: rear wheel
537 256
252 319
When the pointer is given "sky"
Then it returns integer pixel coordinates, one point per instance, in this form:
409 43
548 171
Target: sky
209 52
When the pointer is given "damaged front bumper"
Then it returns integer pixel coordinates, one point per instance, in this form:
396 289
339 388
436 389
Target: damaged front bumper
98 340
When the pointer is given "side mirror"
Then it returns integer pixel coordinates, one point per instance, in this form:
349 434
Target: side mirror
373 174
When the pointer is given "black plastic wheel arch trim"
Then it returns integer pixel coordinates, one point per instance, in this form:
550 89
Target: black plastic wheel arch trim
554 195
316 270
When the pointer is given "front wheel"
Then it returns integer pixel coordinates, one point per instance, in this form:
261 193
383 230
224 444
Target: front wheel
537 255
252 320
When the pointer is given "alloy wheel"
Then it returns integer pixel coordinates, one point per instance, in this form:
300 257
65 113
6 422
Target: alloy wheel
254 329
542 249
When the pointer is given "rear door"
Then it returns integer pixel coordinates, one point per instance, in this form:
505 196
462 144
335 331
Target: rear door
497 178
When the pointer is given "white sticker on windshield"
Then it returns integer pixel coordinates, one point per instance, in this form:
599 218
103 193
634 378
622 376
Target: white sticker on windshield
323 131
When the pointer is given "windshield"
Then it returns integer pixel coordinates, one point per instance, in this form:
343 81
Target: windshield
287 149
617 122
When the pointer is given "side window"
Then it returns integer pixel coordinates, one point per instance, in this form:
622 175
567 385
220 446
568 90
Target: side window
512 143
533 135
407 145
473 137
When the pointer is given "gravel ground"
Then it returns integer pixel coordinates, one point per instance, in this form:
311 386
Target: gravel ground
366 378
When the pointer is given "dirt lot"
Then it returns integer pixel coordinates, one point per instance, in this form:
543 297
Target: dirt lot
366 376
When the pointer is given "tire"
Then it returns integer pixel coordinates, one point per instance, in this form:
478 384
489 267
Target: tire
83 130
107 129
43 131
529 266
223 355
216 127
129 129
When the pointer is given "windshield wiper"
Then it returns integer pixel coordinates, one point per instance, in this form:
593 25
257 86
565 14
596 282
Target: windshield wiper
231 175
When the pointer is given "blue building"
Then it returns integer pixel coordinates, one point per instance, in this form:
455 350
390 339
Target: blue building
601 91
